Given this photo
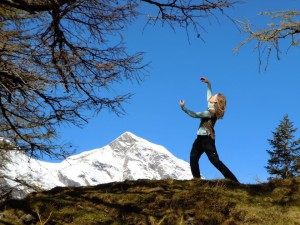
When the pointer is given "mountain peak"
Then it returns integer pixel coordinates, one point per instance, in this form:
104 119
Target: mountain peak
129 135
125 140
128 157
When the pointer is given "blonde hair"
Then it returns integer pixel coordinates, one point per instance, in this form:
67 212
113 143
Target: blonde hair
220 106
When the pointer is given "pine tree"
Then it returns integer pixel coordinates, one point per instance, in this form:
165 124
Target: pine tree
284 159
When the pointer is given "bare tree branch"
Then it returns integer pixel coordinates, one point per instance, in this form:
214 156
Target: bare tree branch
187 13
286 26
60 58
33 6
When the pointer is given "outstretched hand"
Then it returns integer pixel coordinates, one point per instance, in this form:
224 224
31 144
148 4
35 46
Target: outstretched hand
203 79
181 103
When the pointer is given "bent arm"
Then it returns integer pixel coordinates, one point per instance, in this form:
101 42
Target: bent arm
204 114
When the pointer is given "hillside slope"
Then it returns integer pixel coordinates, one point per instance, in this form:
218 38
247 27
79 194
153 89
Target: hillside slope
160 202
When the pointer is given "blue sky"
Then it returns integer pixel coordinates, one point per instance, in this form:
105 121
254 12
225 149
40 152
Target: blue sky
256 101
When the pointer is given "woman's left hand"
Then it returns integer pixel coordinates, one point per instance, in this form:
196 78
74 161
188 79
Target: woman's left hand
181 103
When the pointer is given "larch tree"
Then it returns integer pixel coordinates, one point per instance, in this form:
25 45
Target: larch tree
59 59
282 33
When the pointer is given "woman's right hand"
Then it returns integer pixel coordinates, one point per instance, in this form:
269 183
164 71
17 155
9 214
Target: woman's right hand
203 79
181 103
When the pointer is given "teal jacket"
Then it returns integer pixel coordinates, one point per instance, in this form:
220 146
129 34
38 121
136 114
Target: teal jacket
203 114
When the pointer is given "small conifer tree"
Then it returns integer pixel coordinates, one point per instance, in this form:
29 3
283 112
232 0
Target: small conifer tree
284 159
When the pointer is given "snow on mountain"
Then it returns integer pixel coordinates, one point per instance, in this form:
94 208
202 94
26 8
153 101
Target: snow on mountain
127 158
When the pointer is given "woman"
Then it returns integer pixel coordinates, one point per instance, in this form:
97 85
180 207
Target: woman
205 141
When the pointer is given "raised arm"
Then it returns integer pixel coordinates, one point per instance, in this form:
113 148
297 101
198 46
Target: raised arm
209 92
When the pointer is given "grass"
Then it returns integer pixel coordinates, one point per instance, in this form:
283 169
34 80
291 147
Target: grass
149 202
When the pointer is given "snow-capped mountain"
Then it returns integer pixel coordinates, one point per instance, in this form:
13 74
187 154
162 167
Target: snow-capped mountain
127 158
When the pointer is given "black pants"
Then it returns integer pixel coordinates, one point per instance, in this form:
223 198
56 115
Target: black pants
206 144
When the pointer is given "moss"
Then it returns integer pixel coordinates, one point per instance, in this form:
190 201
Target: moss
163 202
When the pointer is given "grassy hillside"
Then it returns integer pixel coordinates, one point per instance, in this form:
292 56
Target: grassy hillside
160 202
